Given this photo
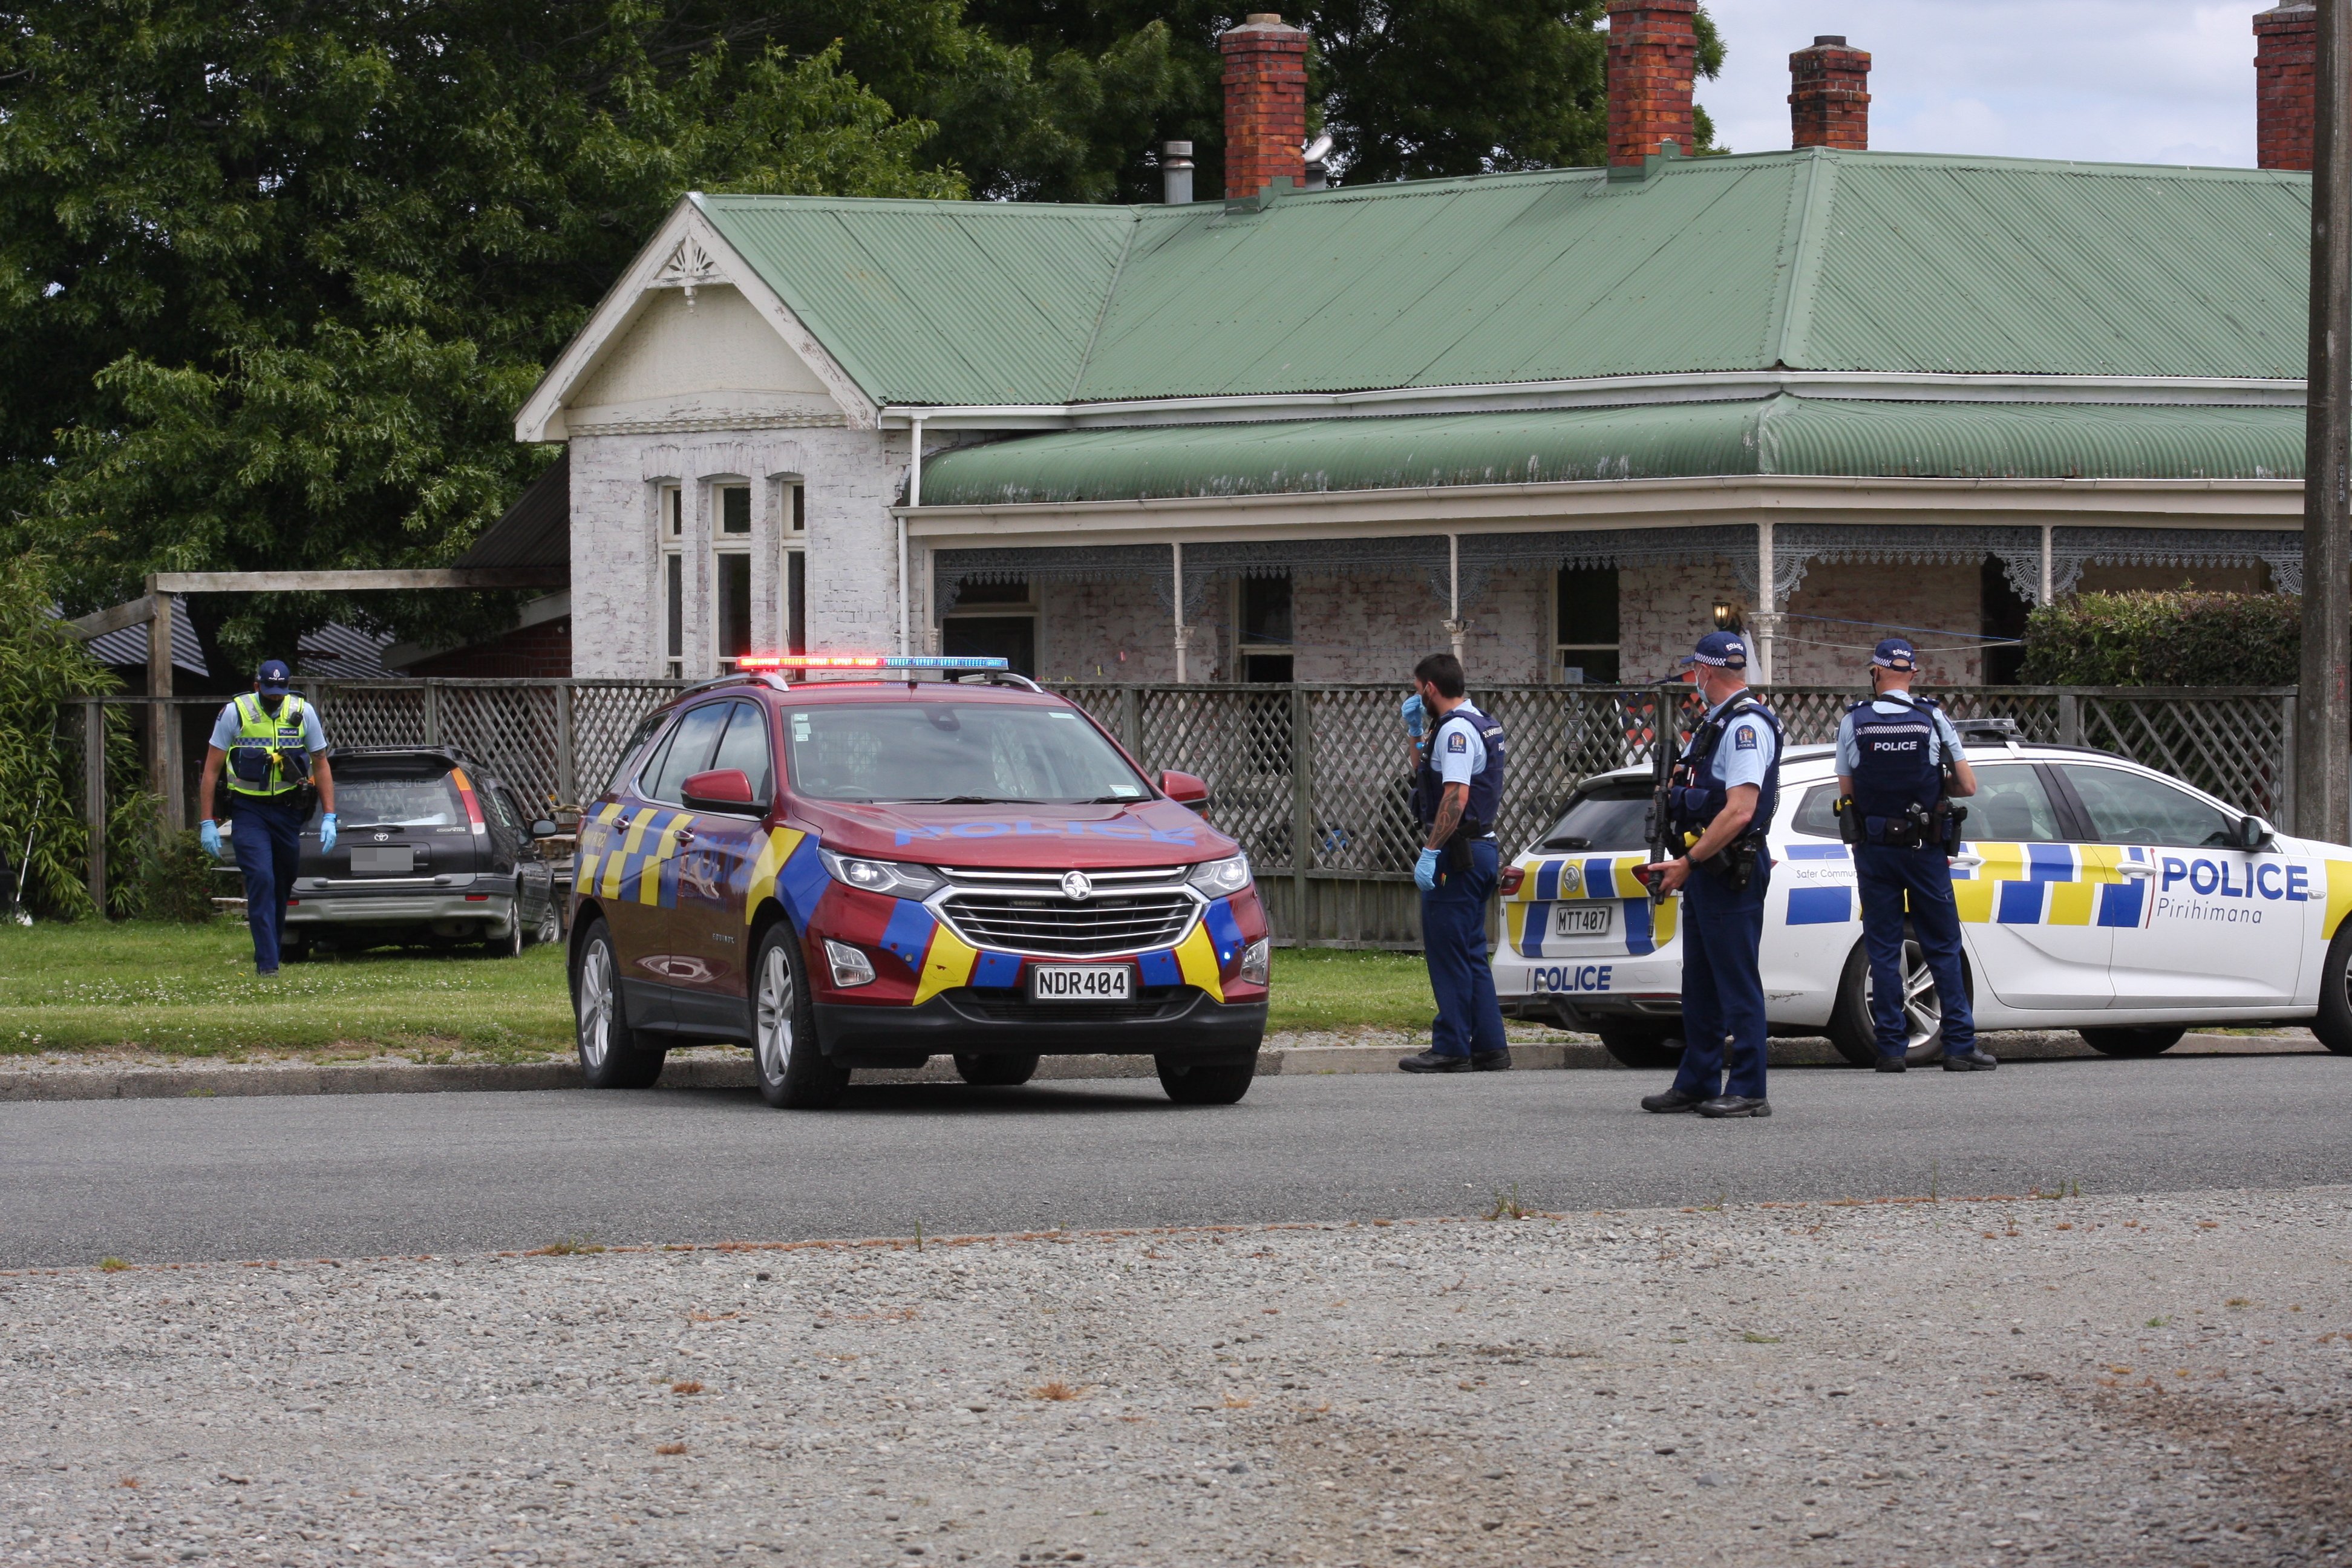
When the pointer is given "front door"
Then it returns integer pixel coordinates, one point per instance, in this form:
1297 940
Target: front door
2031 909
713 875
2220 928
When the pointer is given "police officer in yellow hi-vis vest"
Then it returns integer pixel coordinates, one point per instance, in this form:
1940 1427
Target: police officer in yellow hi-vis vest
272 743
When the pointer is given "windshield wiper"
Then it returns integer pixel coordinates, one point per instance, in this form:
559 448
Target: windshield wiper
953 800
1570 842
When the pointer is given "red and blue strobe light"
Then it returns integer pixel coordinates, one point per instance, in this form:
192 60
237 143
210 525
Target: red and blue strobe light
758 662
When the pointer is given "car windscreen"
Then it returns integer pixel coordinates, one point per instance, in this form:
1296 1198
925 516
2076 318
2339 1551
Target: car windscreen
409 802
1604 817
964 753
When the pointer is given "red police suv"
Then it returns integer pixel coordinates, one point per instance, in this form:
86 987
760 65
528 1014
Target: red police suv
866 872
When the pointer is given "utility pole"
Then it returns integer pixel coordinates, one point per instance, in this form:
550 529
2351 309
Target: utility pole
2323 721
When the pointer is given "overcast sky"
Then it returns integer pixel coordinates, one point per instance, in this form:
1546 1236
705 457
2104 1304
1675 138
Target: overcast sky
2155 81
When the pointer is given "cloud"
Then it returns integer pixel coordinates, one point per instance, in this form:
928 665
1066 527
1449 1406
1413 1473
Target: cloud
2165 81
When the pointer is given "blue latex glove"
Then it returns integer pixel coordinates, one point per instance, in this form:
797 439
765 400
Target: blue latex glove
326 833
1414 715
208 834
1424 871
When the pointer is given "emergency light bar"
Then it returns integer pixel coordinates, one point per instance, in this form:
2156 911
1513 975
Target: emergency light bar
756 661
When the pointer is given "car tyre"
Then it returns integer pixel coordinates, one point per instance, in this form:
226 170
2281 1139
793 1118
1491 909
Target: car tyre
795 1073
1643 1049
551 925
294 950
508 945
997 1071
2151 1040
1206 1083
1851 1029
612 1055
2334 1025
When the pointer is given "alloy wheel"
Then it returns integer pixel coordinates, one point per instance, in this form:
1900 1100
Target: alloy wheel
775 1021
595 1004
1923 1012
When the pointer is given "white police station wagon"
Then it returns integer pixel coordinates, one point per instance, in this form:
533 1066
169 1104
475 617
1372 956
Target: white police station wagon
2094 895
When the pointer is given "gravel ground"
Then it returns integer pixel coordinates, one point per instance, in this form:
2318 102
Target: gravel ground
1999 1381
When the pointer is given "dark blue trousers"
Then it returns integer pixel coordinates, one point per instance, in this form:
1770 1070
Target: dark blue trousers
268 852
1723 990
1888 878
1453 935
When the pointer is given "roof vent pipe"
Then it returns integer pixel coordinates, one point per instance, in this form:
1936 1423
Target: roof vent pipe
1176 172
1317 158
1828 105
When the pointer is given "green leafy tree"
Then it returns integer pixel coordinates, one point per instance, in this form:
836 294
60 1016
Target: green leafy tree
1406 90
275 275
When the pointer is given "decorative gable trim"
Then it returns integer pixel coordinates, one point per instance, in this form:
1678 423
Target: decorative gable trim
685 253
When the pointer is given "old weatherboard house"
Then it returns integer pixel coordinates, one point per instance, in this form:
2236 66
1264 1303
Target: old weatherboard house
1562 420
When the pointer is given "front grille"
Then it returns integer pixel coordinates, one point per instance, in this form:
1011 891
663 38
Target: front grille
1153 1004
1027 912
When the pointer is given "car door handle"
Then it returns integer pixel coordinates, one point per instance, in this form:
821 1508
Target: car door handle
1971 862
2136 868
684 836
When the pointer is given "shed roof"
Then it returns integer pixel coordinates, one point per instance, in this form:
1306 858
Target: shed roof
1809 259
1781 434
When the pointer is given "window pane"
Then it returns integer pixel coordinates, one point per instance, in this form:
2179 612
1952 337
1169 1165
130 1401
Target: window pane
745 746
676 590
1816 815
673 505
800 509
1013 639
645 731
1595 665
1613 815
2132 809
796 600
997 752
1013 593
2010 807
734 605
1588 605
735 510
689 754
1265 609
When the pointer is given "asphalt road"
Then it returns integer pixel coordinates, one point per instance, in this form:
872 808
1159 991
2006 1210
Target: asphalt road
155 1181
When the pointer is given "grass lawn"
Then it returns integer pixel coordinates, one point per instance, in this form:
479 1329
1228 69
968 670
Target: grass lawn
191 991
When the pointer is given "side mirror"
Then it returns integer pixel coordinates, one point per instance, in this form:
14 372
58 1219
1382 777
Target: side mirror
1184 789
2253 833
544 828
722 789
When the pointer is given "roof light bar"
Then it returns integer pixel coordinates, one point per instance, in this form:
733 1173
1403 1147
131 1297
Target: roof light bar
758 662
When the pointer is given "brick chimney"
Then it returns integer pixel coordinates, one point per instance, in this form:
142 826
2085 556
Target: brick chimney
1829 103
2287 40
1266 103
1652 56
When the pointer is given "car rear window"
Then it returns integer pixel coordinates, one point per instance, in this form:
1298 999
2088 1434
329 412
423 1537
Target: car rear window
409 802
1613 815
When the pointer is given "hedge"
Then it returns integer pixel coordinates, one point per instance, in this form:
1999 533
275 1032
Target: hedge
2166 640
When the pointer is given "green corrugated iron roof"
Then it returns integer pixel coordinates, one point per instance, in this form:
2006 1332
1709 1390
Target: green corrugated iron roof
1781 435
1808 260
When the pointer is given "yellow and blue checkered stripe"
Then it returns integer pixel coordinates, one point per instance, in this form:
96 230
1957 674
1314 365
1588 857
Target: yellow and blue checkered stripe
1643 927
2054 885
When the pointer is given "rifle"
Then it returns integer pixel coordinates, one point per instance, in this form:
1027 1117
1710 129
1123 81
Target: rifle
1664 741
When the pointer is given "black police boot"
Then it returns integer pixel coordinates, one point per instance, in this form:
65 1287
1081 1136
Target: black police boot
1491 1061
1430 1061
1893 1064
1674 1100
1976 1059
1723 1105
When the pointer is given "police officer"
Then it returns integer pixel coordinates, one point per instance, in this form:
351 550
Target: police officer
1892 753
1722 794
1458 791
272 742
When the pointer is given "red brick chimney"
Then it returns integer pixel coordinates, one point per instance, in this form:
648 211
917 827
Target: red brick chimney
1652 56
1830 103
1266 103
2287 42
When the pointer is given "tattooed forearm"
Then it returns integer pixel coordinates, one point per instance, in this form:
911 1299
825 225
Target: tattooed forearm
1449 815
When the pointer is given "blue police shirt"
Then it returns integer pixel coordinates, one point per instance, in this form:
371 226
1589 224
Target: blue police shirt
1745 754
225 727
1460 753
1946 742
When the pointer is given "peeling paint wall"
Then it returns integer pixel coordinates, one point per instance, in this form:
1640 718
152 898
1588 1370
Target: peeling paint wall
1935 598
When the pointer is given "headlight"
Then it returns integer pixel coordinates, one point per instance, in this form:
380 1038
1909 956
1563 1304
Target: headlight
1219 878
895 878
